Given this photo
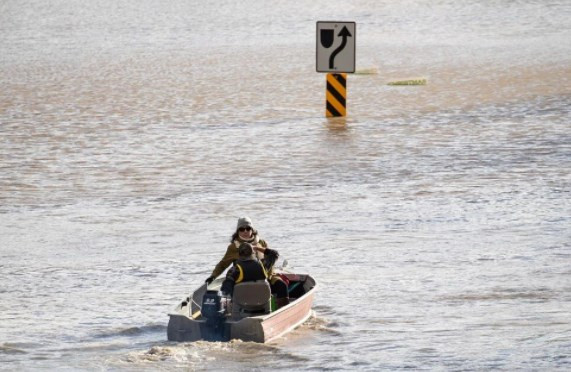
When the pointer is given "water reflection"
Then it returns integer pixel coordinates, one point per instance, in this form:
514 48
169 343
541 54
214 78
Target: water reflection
337 124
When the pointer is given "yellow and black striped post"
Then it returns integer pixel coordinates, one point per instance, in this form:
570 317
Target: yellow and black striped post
336 95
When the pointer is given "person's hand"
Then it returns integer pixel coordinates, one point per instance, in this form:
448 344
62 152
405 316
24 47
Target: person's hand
209 280
260 248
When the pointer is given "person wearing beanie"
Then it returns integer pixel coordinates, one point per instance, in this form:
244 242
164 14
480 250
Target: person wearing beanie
246 233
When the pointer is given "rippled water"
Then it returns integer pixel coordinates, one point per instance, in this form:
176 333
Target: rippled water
435 218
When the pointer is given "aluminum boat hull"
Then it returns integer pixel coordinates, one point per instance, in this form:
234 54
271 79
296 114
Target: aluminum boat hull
186 323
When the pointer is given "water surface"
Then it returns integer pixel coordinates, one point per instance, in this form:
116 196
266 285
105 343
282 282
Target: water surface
435 218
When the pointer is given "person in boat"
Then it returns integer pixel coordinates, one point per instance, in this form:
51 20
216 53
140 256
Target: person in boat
246 233
248 268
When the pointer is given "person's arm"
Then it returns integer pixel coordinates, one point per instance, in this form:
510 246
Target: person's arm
230 256
228 283
233 273
270 256
259 252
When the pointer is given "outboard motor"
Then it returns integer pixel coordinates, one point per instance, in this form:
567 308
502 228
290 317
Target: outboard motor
212 305
214 311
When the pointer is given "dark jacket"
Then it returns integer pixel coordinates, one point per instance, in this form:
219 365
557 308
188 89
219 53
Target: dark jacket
231 256
249 270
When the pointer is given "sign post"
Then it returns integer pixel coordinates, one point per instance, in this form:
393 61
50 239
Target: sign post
335 54
336 95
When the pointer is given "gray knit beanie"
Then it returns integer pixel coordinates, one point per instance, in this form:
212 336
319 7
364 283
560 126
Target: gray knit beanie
243 222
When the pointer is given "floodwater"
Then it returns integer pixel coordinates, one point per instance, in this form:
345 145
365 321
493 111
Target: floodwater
436 219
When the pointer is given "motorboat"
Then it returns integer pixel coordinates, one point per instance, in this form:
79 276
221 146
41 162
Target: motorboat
249 315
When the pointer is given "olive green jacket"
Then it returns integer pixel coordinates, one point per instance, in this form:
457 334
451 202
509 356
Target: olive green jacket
231 256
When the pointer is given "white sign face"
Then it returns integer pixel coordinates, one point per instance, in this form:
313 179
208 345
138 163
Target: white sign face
336 46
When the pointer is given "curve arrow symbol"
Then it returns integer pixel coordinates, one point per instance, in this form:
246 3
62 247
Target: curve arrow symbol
344 34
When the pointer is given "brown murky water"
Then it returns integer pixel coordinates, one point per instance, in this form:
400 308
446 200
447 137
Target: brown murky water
435 218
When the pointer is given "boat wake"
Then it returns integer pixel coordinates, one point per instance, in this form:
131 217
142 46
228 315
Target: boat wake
163 353
203 353
317 322
133 331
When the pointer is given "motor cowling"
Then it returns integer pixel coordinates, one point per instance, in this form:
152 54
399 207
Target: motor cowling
214 311
212 308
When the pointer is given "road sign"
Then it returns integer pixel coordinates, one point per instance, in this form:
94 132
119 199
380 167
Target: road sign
335 95
336 46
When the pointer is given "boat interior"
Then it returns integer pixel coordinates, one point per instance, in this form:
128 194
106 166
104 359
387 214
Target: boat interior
249 298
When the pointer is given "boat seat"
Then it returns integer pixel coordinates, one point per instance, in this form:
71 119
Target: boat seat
251 299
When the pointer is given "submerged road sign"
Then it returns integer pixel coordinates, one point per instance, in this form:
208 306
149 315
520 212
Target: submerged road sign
335 95
336 46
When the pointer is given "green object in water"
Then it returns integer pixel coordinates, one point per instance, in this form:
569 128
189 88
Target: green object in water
409 82
367 71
